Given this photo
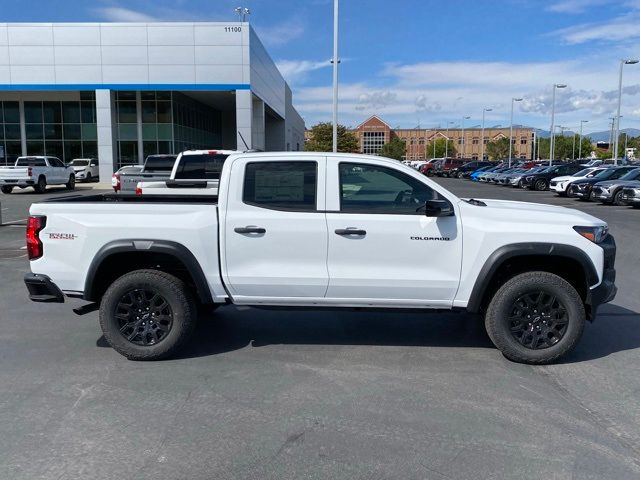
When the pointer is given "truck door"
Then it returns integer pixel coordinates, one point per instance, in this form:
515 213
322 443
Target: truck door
383 249
273 231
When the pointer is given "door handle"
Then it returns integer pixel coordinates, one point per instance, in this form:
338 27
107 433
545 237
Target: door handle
250 230
350 231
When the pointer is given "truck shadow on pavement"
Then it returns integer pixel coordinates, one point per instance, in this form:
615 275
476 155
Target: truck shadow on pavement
231 328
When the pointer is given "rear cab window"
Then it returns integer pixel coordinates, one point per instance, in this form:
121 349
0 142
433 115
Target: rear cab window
31 162
281 185
162 163
201 166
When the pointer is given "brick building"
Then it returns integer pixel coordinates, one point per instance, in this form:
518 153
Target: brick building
374 132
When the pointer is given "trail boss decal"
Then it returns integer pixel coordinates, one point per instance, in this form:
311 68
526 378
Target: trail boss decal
432 239
62 236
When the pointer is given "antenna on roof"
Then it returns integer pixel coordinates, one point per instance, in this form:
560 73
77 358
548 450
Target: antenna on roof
245 143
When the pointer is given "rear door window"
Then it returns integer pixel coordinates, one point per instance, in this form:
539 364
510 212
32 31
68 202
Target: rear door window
281 185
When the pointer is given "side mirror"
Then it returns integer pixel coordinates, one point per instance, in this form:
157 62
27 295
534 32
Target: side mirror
438 208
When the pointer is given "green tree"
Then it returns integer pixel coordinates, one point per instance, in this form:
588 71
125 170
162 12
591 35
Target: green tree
563 149
321 139
499 149
440 148
396 149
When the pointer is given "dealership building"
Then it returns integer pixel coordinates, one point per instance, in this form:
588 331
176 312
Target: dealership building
122 91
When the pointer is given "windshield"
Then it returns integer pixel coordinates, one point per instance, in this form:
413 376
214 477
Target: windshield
582 173
79 163
632 175
605 173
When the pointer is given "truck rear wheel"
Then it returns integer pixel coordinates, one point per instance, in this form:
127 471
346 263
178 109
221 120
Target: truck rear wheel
535 318
147 315
6 189
41 186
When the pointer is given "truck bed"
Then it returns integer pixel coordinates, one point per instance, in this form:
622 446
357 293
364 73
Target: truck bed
136 199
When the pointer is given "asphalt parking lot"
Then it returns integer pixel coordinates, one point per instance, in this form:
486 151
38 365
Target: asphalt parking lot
266 394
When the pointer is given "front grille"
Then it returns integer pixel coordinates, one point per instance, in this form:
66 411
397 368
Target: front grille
553 184
597 190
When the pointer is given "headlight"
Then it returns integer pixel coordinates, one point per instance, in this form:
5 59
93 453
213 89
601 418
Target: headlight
594 234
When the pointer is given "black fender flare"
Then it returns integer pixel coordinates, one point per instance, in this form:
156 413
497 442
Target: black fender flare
506 252
174 249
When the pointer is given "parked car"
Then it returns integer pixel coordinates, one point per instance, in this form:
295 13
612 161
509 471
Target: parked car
36 172
515 180
610 191
468 168
583 189
504 178
155 168
540 180
561 184
194 172
428 167
85 169
631 195
444 167
490 174
116 182
303 229
473 176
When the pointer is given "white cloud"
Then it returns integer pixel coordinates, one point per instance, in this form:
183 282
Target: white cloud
121 14
281 33
619 29
575 6
295 71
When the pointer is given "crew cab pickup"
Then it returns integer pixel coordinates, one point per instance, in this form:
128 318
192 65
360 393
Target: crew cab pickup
194 172
36 172
321 230
155 168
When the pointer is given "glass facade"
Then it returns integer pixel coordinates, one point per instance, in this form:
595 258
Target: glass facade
10 145
170 123
63 129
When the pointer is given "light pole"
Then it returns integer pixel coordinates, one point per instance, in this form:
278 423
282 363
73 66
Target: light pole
335 62
553 119
582 122
446 141
513 100
242 13
484 110
617 128
466 117
626 141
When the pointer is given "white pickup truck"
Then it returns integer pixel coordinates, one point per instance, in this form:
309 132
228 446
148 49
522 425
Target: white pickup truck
321 230
194 172
36 172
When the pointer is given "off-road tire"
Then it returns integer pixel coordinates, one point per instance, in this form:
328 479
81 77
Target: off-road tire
176 294
498 325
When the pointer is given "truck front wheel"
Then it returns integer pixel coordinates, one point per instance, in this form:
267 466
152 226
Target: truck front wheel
535 318
147 315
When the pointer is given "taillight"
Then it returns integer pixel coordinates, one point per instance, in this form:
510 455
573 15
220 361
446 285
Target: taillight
34 246
116 182
29 172
212 152
138 190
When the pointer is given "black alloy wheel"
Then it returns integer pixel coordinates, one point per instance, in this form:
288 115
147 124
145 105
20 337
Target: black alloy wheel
617 198
541 185
144 317
538 320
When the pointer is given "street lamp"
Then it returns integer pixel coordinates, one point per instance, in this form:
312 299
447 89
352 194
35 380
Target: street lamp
335 62
466 117
484 110
617 128
513 100
582 122
446 141
553 118
242 13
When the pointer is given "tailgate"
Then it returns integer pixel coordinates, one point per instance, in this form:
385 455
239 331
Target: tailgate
14 173
130 182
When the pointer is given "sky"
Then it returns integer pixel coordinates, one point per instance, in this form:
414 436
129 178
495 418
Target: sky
426 63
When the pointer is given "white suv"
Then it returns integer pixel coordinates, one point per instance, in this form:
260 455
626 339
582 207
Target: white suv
561 184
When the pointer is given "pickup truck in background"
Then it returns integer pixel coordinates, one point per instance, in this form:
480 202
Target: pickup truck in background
321 230
36 172
155 168
194 172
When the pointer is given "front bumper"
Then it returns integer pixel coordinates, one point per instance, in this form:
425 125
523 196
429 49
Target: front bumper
606 290
601 193
42 289
581 192
630 197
